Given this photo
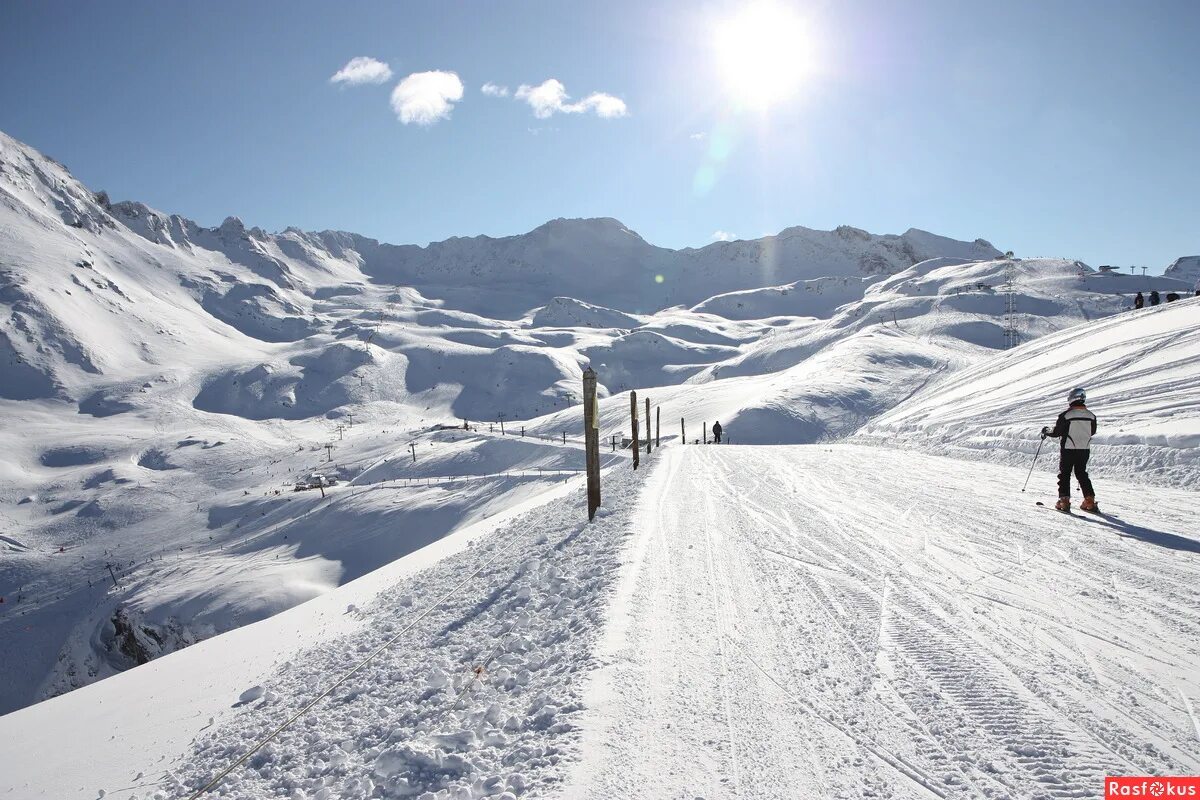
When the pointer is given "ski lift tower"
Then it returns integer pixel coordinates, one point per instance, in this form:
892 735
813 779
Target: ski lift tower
1012 336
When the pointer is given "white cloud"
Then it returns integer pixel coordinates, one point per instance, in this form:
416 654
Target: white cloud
723 236
605 105
362 69
550 97
699 136
492 90
425 97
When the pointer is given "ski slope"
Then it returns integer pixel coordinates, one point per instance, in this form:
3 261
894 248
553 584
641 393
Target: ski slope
873 623
823 633
1141 370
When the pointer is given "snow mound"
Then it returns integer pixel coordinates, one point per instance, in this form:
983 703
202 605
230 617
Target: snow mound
818 297
565 312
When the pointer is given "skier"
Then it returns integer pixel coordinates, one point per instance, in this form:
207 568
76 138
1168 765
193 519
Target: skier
1154 298
1197 287
1075 428
717 432
1172 297
1139 301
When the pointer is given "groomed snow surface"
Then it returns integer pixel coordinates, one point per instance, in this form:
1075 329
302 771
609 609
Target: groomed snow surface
865 623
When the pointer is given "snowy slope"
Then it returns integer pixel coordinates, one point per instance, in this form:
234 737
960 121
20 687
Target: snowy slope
715 635
1142 374
832 632
163 385
141 725
1186 269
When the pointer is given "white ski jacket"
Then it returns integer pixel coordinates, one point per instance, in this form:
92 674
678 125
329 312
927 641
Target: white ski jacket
1075 427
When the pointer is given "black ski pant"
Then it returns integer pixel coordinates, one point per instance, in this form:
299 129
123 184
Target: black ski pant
1074 461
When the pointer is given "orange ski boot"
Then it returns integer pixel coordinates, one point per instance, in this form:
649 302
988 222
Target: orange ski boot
1063 504
1089 504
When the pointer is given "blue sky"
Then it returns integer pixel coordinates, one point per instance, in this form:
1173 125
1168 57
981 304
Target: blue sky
1051 128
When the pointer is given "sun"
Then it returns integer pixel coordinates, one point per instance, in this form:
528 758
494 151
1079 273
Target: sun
763 53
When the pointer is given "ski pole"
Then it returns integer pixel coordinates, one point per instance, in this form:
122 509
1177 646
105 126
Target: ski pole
1035 458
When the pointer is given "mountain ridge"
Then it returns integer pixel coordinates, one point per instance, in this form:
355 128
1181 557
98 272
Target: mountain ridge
598 260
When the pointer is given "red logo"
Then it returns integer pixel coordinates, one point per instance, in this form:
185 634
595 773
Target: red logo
1153 787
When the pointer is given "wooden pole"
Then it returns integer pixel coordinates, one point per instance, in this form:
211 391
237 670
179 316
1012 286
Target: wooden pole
501 424
636 447
658 427
682 431
706 433
648 438
591 440
413 447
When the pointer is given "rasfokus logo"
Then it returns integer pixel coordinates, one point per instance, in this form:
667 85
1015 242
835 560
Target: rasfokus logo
1140 786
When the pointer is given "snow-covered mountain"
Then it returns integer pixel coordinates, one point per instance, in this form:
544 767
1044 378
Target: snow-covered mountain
163 385
1186 269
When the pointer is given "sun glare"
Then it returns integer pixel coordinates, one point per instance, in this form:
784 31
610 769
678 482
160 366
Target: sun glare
763 53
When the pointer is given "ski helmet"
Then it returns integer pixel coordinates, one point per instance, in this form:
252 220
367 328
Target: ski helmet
1077 395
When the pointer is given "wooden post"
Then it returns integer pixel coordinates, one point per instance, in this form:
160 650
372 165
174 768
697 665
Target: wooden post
648 438
564 437
682 431
636 447
413 447
706 433
501 424
658 427
591 440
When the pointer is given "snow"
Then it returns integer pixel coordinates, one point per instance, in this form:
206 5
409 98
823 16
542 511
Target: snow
1140 372
827 633
871 620
720 635
1186 269
164 384
144 720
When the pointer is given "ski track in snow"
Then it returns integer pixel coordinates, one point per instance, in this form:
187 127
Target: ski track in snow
799 624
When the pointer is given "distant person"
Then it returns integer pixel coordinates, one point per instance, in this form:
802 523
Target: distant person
1197 287
1139 301
1154 298
1074 429
1172 297
717 432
